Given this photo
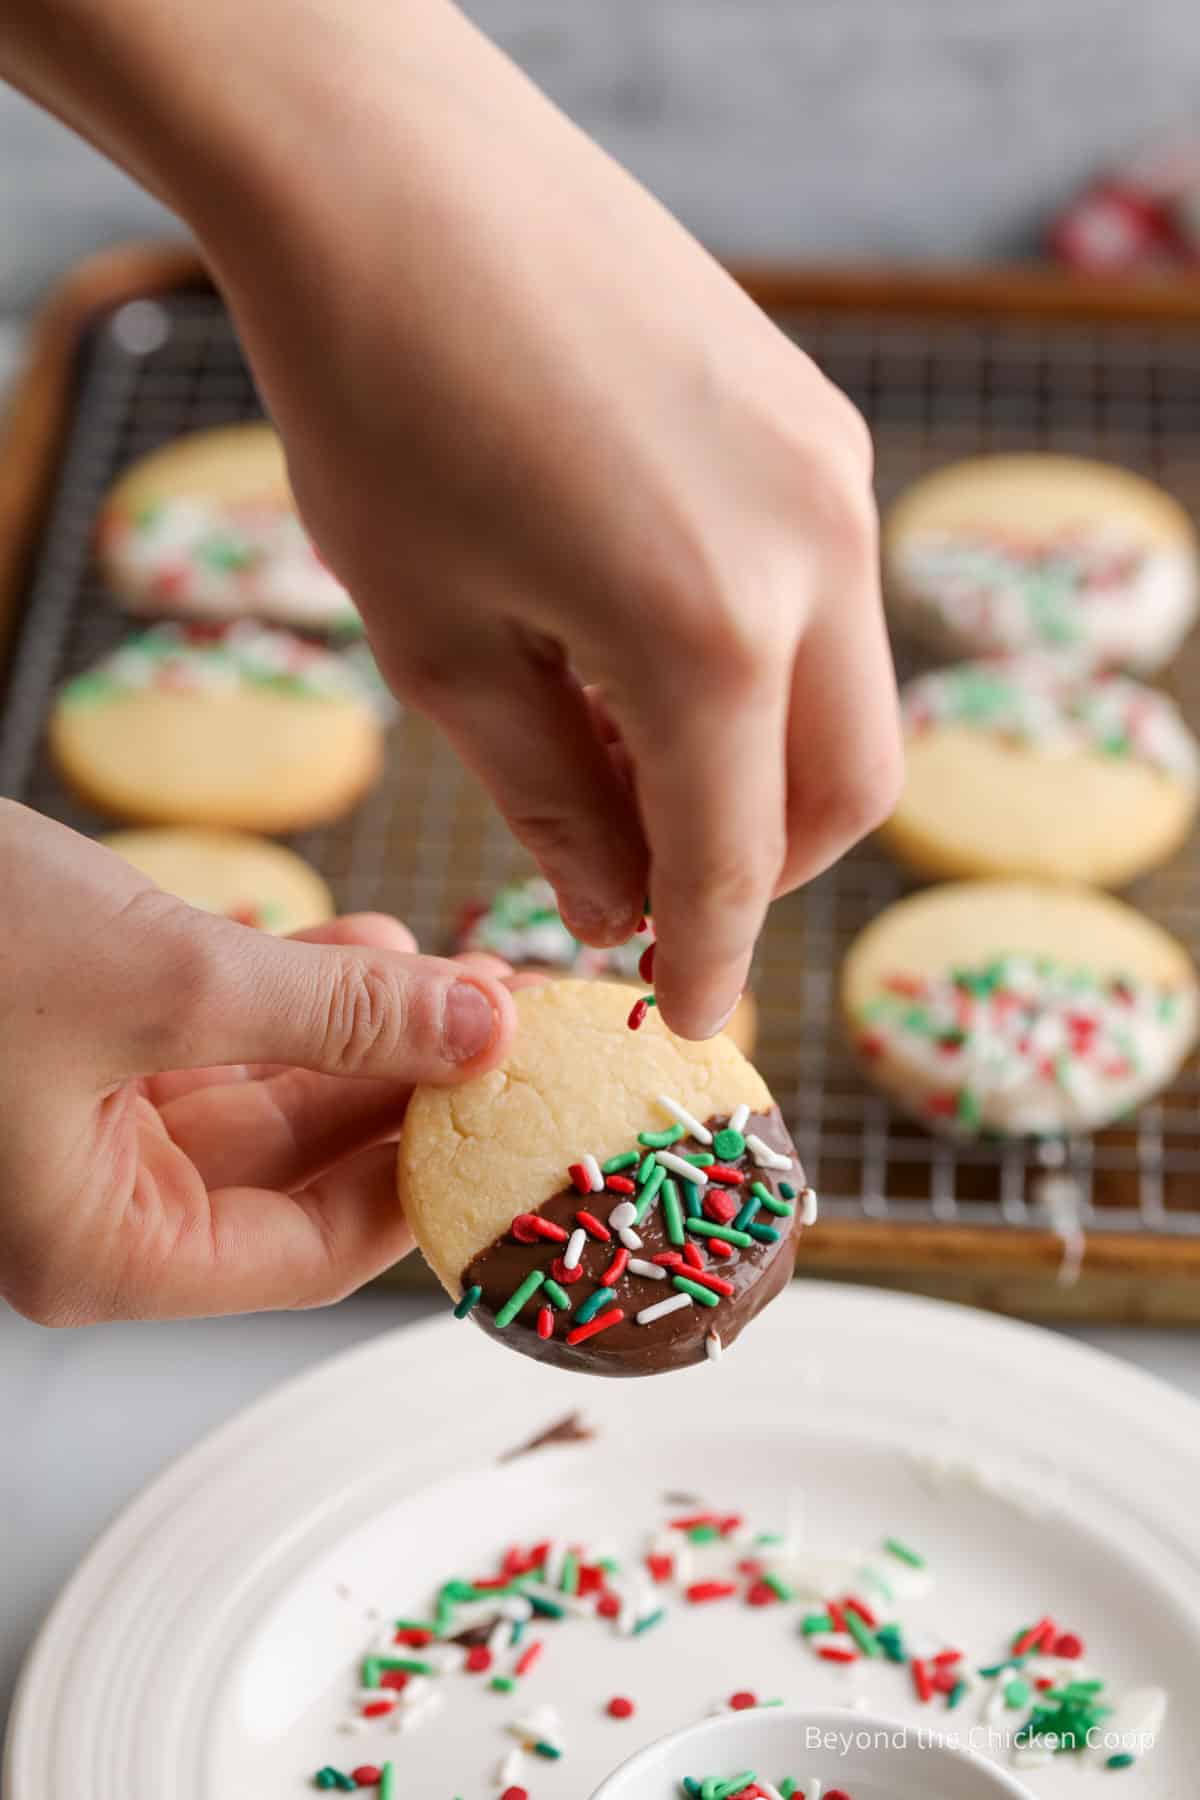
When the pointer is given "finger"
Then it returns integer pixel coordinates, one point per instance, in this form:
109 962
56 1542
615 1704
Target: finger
483 963
524 725
374 931
710 773
845 750
196 991
260 1249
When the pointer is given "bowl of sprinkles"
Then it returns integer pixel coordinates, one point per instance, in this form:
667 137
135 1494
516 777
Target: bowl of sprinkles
765 1753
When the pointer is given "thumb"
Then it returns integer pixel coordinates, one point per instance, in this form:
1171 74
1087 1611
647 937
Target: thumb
209 992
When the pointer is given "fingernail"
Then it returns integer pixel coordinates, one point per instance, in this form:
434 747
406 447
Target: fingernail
468 1022
597 923
722 1022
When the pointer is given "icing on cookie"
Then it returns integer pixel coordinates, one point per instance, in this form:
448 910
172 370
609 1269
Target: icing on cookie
1094 593
632 1266
1023 1044
217 661
523 925
183 553
1036 700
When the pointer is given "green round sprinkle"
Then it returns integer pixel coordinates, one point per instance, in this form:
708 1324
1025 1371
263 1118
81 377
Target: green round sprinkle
1122 1760
517 1299
595 1303
469 1301
729 1145
704 1295
1016 1693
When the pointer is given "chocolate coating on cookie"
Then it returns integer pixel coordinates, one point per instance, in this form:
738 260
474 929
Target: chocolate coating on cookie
756 1267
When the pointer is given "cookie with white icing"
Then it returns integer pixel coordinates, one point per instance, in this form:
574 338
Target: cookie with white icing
1004 554
615 1202
1027 766
1012 1008
237 726
245 878
206 528
523 925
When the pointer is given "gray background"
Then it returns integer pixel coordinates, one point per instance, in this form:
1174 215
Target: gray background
915 129
858 128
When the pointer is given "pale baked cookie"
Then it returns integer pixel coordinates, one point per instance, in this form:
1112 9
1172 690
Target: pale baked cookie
246 878
207 528
1022 766
1014 553
1006 1008
613 1202
234 726
523 925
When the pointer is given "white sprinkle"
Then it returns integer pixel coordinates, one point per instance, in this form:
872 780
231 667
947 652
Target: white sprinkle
661 1308
575 1247
808 1206
500 1636
651 1271
813 1790
682 1116
593 1173
447 1659
409 1719
553 1564
511 1767
629 1238
768 1789
623 1215
414 1691
737 1118
764 1156
712 1347
514 1607
677 1166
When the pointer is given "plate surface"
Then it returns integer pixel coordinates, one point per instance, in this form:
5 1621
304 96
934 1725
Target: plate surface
207 1646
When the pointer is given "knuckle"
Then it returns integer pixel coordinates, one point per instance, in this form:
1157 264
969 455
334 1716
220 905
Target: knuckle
854 430
867 795
737 880
365 1018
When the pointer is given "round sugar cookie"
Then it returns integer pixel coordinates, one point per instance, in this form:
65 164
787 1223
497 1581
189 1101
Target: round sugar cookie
1024 766
547 1196
237 726
1008 1008
523 925
1002 554
245 878
206 528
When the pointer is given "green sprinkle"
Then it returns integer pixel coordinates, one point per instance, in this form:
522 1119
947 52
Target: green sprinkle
861 1632
1014 1662
389 1782
779 1207
891 1643
777 1587
693 1204
956 1695
969 1111
1122 1760
673 1213
1017 1693
704 1295
570 1570
327 1778
787 1190
703 1534
814 1623
517 1299
662 1140
595 1303
649 1193
787 1788
504 1684
412 1625
469 1301
765 1234
647 1166
750 1206
650 1621
701 1158
408 1665
898 1549
727 1233
734 1786
550 1751
616 1164
546 1609
729 1145
556 1295
90 689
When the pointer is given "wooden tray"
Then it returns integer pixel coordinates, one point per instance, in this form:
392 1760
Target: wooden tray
135 348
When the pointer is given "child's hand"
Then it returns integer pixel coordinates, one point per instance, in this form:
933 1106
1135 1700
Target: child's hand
197 1118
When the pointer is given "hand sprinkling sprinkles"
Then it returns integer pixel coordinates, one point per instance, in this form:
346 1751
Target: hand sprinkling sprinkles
1033 1690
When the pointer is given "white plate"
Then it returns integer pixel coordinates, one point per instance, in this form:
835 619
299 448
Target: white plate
205 1649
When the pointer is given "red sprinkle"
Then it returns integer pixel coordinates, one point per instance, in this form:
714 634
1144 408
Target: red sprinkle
660 1567
759 1594
834 1653
1029 1638
528 1657
710 1590
414 1635
722 1172
646 965
742 1700
717 1283
395 1679
581 1333
692 1256
620 1184
527 1228
837 1794
1044 1683
515 1793
580 1179
837 1616
854 1605
366 1775
669 1259
720 1249
921 1680
545 1322
1068 1644
620 1708
944 1681
729 1523
593 1227
945 1657
693 1519
568 1277
376 1709
718 1207
616 1268
608 1606
479 1659
637 1015
870 1045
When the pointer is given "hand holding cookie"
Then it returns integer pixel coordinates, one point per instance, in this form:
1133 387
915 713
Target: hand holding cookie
197 1117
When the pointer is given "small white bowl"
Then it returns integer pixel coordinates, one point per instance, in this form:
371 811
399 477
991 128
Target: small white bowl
868 1757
